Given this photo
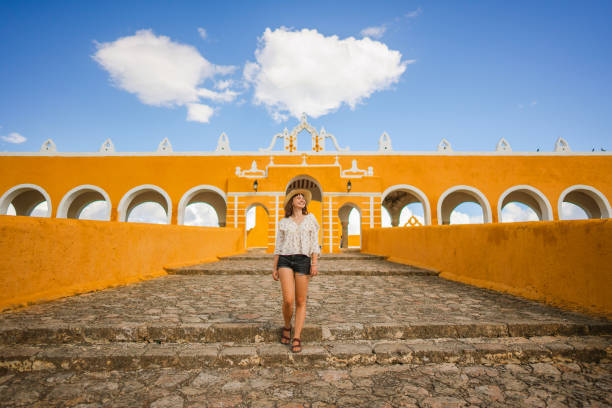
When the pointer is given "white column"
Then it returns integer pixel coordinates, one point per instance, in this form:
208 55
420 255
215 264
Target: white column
331 228
235 211
371 212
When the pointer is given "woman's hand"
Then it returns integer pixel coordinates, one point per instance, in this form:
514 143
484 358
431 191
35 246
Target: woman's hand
314 270
275 274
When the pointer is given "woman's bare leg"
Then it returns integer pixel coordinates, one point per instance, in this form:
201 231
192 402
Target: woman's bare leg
288 288
301 292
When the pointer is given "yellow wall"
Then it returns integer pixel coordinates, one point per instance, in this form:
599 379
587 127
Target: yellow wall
563 263
43 259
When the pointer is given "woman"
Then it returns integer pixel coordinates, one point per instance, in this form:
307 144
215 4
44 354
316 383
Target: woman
295 261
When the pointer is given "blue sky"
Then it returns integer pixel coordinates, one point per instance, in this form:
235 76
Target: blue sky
471 72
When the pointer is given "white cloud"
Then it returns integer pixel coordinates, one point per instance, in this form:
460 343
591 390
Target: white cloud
13 137
514 212
458 217
571 211
197 112
148 212
305 72
221 85
374 32
202 33
225 96
201 214
159 71
95 211
415 13
40 210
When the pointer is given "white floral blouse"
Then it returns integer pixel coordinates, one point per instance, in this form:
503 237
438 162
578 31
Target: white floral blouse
294 239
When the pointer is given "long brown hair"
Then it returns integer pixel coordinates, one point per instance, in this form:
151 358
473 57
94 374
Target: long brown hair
289 206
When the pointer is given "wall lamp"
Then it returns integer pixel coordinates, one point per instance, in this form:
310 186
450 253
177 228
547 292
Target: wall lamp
255 185
349 186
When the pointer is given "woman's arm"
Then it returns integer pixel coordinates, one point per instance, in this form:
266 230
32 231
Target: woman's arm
314 264
275 268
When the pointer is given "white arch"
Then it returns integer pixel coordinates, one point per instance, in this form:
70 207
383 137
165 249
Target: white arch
70 196
482 200
538 196
307 177
13 192
415 191
599 198
191 193
130 195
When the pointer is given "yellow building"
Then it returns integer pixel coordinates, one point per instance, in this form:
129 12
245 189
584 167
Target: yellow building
340 180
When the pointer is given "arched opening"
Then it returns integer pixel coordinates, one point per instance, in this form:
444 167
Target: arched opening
463 205
85 202
27 200
523 203
146 203
316 205
257 221
396 198
594 204
350 226
191 210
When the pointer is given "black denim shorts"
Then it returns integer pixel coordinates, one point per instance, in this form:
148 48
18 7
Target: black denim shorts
298 263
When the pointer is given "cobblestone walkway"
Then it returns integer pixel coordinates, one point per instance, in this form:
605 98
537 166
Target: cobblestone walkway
371 340
434 385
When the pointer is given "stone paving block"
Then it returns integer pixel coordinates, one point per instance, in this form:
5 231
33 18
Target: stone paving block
241 356
351 354
591 348
392 353
237 332
273 354
532 329
341 331
448 351
311 356
196 355
158 355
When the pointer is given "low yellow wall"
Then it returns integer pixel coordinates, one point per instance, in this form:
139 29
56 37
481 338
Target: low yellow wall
43 259
563 263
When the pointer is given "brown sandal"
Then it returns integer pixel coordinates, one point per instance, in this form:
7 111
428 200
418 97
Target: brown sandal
285 339
296 348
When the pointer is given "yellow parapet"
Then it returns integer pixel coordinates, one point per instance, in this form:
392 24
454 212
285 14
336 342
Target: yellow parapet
562 263
43 259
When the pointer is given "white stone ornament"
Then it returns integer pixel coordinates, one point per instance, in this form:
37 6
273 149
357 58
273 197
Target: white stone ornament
384 143
290 139
561 146
503 146
107 147
223 144
164 146
444 146
48 147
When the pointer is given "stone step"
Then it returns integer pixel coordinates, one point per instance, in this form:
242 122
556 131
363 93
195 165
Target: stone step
326 257
211 270
469 351
252 333
326 267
